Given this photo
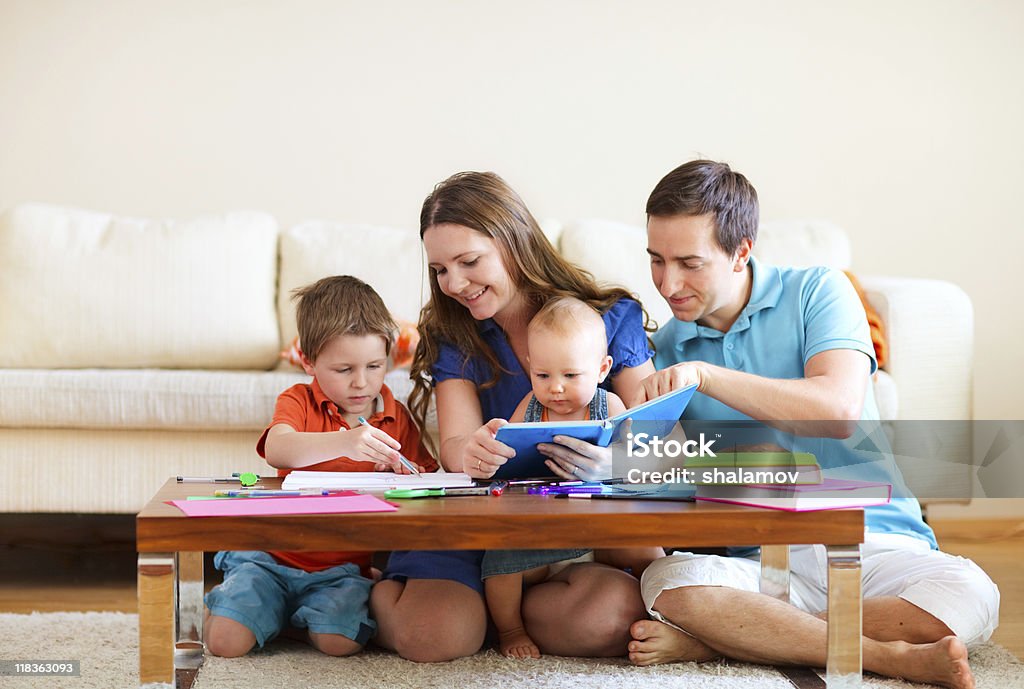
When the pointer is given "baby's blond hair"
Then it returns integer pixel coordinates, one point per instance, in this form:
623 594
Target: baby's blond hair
570 317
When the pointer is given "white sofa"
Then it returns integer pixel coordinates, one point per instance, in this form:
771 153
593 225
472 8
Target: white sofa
133 350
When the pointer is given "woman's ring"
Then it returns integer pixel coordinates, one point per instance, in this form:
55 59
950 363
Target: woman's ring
575 469
478 467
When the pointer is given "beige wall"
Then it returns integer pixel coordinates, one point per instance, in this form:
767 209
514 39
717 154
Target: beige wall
899 121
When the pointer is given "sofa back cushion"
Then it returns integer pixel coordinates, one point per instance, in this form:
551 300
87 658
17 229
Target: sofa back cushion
616 252
89 290
390 260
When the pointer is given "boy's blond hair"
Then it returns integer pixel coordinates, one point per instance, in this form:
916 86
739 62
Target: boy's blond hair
340 305
568 316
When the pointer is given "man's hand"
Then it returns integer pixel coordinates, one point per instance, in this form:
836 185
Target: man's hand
672 378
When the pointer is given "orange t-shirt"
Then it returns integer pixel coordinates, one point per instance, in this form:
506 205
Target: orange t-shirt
307 409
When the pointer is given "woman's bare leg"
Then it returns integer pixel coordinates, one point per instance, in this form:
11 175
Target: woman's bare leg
428 620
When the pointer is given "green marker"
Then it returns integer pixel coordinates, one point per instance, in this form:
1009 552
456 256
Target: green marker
494 489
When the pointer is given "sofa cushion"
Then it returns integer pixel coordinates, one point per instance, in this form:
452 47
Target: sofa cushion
81 289
141 398
615 253
389 260
792 243
112 471
803 243
150 398
886 396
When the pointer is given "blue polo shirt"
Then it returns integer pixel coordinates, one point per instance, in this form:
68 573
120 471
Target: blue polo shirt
627 345
792 315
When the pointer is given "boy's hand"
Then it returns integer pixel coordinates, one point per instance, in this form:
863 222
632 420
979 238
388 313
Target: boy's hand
400 470
369 444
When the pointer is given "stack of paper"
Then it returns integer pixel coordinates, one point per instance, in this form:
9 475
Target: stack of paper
372 480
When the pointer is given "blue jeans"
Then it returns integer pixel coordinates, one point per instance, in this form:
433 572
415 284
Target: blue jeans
511 561
265 595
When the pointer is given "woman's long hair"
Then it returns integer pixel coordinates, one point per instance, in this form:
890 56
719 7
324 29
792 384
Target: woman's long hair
482 201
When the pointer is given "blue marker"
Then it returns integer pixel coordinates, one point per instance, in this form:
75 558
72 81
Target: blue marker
401 458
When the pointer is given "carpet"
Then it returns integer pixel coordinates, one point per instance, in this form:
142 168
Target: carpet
106 643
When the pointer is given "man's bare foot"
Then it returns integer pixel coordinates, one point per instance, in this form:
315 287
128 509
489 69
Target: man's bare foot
517 644
943 662
655 643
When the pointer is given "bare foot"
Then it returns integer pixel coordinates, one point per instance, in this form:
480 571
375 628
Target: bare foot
943 662
517 644
655 643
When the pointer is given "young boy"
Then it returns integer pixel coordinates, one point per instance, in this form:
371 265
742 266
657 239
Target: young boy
346 334
568 360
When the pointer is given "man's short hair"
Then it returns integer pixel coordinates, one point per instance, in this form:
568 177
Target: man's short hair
702 187
340 305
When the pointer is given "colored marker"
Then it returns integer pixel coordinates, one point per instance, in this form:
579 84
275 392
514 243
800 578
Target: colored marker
269 493
495 489
579 488
200 479
401 458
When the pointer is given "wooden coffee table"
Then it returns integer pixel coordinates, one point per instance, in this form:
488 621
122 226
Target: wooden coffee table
171 546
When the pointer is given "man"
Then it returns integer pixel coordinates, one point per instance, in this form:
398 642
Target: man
781 346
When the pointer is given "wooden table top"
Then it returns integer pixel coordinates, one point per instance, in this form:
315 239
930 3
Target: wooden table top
514 520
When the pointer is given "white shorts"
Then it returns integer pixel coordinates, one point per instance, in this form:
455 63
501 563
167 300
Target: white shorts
951 588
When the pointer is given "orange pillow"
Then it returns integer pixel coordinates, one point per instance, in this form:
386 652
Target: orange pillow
874 323
405 345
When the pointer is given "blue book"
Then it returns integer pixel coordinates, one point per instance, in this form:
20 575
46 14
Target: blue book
657 418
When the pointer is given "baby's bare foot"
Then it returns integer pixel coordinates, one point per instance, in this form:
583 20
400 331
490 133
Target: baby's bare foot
516 643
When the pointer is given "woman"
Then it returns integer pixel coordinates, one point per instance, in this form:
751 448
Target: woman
491 269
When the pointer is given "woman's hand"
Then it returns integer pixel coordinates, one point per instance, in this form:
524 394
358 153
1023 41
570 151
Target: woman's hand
577 460
672 378
482 454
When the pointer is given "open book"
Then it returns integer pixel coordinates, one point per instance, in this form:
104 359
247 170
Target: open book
372 480
830 494
657 418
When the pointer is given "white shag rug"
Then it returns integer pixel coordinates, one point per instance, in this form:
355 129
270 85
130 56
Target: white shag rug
107 645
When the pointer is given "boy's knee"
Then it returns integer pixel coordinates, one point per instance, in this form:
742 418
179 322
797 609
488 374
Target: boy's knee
227 638
334 644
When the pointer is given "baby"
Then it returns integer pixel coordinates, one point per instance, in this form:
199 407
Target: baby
568 360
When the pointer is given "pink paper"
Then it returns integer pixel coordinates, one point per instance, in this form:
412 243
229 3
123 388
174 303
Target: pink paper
260 507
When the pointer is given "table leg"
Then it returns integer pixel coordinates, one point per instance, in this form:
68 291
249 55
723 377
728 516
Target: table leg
189 634
156 619
845 620
775 571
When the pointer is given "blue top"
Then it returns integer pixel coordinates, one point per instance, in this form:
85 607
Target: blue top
627 345
792 315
